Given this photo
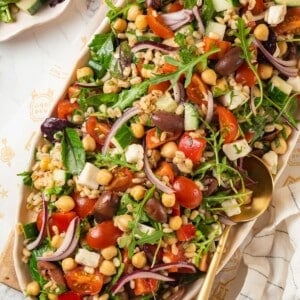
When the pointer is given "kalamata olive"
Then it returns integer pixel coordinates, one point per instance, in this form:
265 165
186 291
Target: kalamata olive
52 125
51 271
167 121
230 62
270 136
270 45
211 185
106 206
156 211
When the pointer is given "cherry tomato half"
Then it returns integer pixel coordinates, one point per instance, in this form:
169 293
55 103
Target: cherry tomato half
103 235
258 7
61 220
291 22
228 124
122 180
97 130
70 295
83 205
157 25
192 147
145 286
196 89
245 75
186 232
84 283
65 108
187 192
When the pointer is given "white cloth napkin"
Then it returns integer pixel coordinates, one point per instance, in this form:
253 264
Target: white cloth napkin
267 265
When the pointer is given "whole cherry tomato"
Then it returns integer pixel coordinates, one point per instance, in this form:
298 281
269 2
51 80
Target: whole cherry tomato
187 192
228 124
83 283
103 235
192 147
83 205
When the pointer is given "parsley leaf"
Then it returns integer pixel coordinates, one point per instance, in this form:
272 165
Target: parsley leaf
27 180
190 3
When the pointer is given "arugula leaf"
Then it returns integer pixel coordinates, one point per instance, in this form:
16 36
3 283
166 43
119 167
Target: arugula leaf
101 49
190 3
108 160
208 11
73 154
115 11
242 34
27 180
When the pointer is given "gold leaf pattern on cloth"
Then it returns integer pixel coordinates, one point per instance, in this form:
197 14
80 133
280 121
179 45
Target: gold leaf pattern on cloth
3 193
6 153
57 71
40 105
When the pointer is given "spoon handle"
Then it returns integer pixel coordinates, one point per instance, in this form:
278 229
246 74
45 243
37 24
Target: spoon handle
213 267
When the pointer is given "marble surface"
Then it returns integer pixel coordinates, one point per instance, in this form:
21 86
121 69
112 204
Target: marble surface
31 64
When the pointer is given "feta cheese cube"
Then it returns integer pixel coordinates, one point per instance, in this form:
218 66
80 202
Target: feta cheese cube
234 99
271 160
231 207
134 153
87 258
275 14
88 176
236 149
144 229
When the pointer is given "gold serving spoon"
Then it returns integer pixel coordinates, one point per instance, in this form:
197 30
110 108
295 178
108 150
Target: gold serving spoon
261 199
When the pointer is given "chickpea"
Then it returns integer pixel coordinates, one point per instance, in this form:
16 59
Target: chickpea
120 25
88 143
122 222
104 177
68 264
56 241
261 32
175 222
138 130
139 260
209 76
104 297
133 12
107 268
109 252
52 297
279 145
286 131
168 200
282 48
222 84
137 192
168 150
265 71
141 22
33 288
110 86
44 163
84 72
65 203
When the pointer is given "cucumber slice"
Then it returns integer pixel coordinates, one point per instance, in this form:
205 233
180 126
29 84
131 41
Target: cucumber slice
191 120
221 5
123 137
30 6
288 2
278 89
30 230
214 27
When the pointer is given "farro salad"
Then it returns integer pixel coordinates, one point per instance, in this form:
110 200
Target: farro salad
141 163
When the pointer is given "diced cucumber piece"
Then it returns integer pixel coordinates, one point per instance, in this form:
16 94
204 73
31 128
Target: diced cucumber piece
221 5
30 230
123 137
59 177
214 27
288 2
166 103
30 6
191 117
278 89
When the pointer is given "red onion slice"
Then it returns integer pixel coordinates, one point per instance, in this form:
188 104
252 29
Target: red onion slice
151 176
137 275
196 13
210 107
68 245
87 84
40 237
285 70
179 92
177 19
162 267
154 46
128 114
